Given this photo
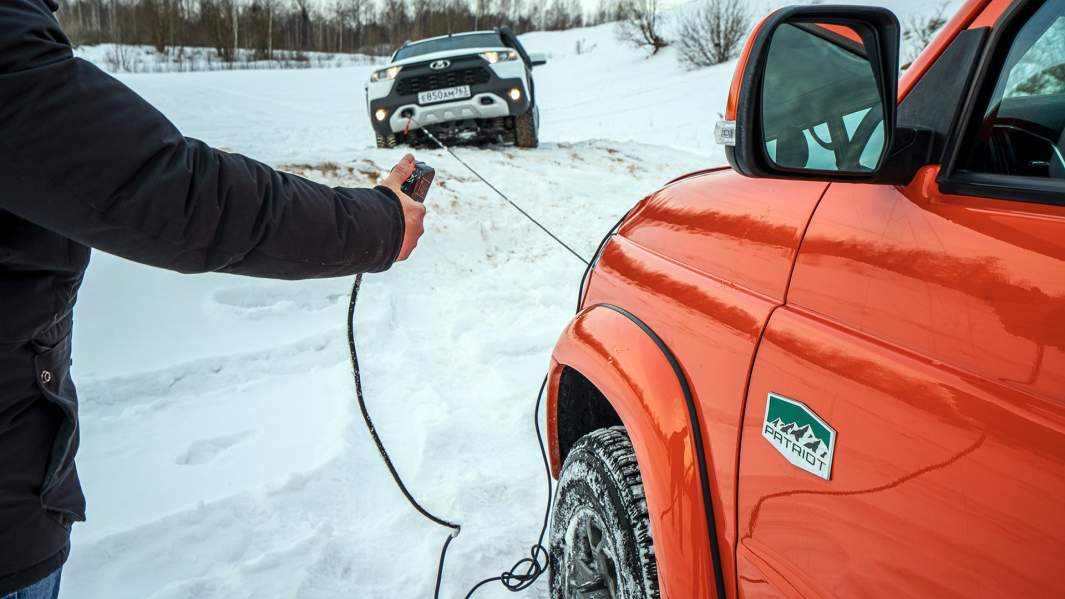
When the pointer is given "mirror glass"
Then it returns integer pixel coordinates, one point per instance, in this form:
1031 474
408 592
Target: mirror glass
821 106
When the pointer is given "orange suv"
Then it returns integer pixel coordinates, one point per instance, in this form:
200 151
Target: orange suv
836 368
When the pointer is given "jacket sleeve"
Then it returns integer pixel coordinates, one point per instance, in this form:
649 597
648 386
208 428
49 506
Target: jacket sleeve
86 157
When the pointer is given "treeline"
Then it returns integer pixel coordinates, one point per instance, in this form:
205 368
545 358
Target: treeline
267 26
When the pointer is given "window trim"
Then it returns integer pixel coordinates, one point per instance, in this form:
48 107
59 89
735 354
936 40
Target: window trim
954 180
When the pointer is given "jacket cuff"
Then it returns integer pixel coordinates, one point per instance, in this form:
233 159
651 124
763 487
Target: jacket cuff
400 217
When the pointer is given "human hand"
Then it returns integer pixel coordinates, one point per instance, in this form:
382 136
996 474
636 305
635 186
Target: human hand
413 212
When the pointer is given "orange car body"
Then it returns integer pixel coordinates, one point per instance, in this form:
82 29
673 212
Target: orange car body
929 329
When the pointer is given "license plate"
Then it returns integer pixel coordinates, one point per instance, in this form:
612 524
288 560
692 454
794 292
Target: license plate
443 95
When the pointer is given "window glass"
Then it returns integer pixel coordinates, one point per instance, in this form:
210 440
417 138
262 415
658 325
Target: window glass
458 42
1022 130
821 107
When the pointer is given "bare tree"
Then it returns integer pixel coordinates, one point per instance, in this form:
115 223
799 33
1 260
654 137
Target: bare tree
641 25
270 9
235 19
157 18
712 32
920 30
562 14
216 18
121 57
608 11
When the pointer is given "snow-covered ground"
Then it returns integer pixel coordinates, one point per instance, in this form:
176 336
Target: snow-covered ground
222 452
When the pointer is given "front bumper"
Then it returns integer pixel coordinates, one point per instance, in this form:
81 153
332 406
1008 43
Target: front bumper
488 99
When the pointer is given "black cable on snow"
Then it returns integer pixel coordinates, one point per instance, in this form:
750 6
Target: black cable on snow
514 579
353 354
369 422
524 573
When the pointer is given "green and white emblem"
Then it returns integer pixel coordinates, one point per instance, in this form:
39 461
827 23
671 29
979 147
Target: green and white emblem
799 435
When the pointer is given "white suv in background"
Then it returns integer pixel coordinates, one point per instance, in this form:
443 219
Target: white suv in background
465 86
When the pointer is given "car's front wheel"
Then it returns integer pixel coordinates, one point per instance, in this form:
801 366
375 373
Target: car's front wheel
387 141
601 545
526 129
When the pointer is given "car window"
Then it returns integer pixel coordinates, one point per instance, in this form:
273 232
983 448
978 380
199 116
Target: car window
1022 130
458 42
820 102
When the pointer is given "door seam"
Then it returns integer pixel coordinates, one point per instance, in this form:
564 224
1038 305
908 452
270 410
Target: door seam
747 384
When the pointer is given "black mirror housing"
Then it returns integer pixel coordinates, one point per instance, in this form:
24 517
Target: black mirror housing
746 139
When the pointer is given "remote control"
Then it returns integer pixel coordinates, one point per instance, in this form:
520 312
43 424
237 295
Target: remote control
417 185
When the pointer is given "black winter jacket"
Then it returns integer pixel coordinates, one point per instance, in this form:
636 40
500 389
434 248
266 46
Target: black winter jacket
86 163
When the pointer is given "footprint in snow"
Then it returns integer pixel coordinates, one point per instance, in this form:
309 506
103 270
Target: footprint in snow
256 301
206 450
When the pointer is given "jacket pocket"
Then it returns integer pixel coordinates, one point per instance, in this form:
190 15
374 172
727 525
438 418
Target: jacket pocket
60 490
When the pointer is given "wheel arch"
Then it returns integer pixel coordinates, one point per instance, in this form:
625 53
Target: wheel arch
609 364
580 409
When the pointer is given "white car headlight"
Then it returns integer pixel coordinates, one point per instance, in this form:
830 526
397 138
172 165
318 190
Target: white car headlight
389 73
494 56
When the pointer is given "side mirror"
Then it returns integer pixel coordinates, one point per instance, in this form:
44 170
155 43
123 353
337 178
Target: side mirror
537 59
814 97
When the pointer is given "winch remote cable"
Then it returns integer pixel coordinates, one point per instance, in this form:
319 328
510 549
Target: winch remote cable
524 573
515 579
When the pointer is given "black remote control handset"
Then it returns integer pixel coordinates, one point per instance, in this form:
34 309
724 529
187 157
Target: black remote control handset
417 185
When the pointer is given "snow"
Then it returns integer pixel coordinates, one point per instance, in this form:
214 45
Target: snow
230 434
222 451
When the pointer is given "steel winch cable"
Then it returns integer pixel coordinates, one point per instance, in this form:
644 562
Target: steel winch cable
447 149
524 573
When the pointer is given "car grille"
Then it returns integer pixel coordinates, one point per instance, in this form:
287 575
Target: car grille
421 83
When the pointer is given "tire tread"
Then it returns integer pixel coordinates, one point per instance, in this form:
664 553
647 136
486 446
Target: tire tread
610 450
525 133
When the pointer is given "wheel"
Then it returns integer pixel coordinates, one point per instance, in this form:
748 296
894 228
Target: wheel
525 129
386 141
601 545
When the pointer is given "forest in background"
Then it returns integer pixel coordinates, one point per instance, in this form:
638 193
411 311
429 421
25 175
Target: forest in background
212 34
265 27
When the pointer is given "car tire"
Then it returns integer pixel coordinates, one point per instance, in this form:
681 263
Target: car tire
526 134
386 141
600 539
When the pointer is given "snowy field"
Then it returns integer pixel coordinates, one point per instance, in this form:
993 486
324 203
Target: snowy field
222 452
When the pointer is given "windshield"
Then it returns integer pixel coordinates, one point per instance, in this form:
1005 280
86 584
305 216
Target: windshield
458 42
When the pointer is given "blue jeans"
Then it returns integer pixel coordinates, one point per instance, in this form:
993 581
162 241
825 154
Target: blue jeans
44 589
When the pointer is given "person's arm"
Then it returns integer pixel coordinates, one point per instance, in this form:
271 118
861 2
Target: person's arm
86 157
